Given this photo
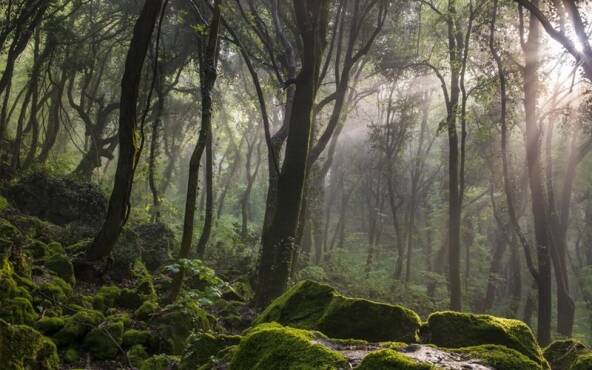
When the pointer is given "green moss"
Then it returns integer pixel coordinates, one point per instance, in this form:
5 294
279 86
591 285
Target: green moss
561 354
54 289
3 203
146 310
201 346
22 347
77 325
49 325
122 317
104 341
106 297
143 281
129 298
160 362
134 337
310 305
175 322
18 310
36 248
301 306
362 319
62 266
583 362
454 330
71 355
564 354
388 359
501 358
272 346
55 248
136 355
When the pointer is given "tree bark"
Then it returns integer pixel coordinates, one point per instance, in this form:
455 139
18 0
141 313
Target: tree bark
119 206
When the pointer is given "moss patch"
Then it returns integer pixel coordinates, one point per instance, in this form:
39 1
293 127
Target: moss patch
310 305
565 354
272 346
22 347
388 359
77 325
454 330
49 325
104 341
500 357
201 347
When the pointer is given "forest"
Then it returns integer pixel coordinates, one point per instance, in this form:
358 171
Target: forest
294 185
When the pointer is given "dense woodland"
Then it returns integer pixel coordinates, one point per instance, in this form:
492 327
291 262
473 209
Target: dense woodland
169 168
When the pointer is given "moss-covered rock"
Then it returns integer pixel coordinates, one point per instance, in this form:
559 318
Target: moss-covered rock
104 341
129 298
454 330
52 288
174 323
71 355
59 200
158 242
202 346
106 297
388 359
272 346
310 305
500 357
49 325
77 326
61 265
146 310
17 310
564 354
160 362
136 355
134 337
23 348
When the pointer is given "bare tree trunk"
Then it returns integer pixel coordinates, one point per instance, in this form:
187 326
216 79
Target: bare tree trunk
119 206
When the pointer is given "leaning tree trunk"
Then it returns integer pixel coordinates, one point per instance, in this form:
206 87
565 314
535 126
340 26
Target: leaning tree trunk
119 206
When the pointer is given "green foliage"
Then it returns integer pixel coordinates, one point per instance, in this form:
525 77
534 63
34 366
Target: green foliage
201 282
272 346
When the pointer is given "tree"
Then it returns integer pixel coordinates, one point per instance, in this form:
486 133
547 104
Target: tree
278 240
119 206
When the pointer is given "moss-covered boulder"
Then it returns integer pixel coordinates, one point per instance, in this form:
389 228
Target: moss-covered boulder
61 265
49 325
59 200
106 297
500 357
17 310
134 337
174 323
566 354
77 326
160 362
388 359
454 330
158 242
310 305
200 347
272 346
104 341
23 348
146 310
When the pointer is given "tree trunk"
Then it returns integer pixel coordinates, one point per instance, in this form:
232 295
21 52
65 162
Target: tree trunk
119 206
278 240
